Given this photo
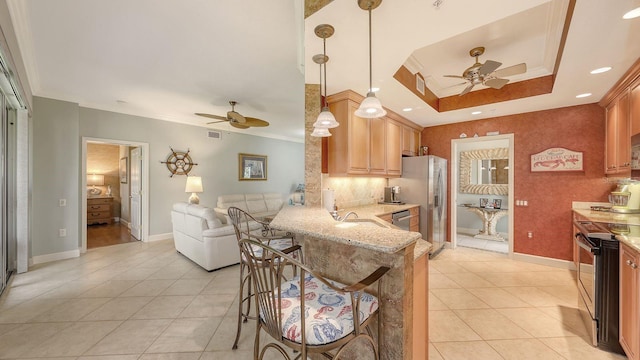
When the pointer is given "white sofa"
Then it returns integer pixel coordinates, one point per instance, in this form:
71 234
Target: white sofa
203 237
258 205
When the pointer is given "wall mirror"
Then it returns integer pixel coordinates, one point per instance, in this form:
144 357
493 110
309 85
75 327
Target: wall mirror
484 171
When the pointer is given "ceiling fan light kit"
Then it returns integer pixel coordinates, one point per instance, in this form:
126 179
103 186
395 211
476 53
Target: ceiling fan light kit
370 107
325 119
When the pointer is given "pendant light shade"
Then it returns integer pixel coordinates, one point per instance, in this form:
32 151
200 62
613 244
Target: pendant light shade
325 120
320 132
370 107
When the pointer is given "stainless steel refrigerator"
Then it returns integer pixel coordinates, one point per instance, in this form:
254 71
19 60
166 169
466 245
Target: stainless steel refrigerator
424 182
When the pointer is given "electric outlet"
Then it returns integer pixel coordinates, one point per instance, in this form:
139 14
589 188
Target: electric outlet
530 234
62 202
62 232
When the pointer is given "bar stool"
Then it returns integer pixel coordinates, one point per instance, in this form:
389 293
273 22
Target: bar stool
244 225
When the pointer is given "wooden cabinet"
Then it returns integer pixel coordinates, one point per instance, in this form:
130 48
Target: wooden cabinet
410 141
364 147
629 301
386 217
634 108
618 136
394 147
414 222
99 210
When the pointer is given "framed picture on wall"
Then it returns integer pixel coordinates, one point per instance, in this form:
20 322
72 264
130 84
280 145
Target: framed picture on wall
123 170
252 167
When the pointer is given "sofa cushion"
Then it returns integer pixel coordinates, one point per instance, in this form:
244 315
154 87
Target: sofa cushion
273 201
255 203
205 218
236 200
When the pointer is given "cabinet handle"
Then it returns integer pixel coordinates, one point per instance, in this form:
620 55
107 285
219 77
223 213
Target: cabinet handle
629 262
634 266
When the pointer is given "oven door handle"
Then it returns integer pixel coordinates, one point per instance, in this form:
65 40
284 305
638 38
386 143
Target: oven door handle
585 244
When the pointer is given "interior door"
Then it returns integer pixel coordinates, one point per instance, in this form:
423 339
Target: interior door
135 177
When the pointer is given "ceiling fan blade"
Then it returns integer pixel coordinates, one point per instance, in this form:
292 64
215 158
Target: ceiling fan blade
467 89
256 122
216 122
455 76
239 126
512 70
235 116
456 85
496 83
213 116
488 67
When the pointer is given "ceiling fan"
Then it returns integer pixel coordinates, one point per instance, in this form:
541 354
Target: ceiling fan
487 73
235 119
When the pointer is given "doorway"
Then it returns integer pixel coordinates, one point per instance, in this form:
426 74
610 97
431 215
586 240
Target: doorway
482 193
110 170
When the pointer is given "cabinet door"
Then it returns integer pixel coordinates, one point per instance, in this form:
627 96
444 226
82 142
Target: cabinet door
623 153
358 143
634 109
407 137
610 139
415 144
629 320
394 148
377 147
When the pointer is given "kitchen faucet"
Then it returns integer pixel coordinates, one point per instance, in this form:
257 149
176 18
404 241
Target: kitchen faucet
337 217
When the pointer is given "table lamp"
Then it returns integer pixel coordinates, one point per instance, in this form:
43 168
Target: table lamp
194 186
95 180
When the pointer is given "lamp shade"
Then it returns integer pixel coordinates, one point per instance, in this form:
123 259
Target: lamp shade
320 132
370 107
194 184
95 180
326 120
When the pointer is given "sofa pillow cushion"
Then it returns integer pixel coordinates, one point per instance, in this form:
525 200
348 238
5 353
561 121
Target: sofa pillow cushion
205 213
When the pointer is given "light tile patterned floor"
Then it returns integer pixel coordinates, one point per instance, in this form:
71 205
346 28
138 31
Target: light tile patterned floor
469 241
145 301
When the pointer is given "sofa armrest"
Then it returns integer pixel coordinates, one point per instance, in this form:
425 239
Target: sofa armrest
223 215
218 232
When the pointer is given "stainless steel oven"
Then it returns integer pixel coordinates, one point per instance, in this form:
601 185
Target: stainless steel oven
597 278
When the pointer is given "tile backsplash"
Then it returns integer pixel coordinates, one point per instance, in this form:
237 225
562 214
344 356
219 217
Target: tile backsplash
358 191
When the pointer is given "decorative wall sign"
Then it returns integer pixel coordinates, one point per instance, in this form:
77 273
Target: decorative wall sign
556 159
179 162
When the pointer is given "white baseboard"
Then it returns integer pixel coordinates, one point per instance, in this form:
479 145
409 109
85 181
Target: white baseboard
54 257
158 237
125 222
540 260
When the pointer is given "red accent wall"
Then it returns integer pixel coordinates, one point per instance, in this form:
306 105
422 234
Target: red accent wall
549 194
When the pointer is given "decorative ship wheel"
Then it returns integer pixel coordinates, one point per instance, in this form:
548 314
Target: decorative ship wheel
179 162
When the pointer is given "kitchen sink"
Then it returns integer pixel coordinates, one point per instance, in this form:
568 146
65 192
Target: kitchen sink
349 223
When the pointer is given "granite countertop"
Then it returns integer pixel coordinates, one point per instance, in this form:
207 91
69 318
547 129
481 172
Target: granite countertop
374 234
631 238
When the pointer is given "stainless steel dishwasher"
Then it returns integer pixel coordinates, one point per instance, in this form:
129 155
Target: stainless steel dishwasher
402 219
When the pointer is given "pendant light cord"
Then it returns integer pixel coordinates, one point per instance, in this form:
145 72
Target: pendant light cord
370 71
324 52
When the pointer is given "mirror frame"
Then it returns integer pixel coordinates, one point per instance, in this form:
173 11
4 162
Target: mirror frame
465 172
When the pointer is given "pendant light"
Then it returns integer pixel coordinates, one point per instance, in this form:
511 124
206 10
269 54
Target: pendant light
370 107
325 119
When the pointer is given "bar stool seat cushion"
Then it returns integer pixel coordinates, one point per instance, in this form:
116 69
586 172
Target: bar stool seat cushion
328 314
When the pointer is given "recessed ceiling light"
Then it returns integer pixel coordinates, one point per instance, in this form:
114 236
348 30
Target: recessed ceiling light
601 70
476 113
374 89
583 95
407 109
632 14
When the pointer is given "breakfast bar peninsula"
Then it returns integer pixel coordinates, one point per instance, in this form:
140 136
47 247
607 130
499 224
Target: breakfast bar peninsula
348 250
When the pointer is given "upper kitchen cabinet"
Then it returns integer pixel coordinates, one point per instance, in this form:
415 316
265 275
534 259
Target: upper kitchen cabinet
618 136
410 141
634 108
365 147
